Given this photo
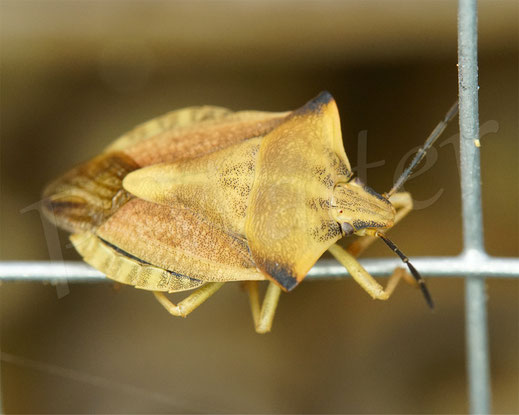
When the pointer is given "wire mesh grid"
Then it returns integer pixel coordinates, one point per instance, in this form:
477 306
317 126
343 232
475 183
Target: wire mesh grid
473 264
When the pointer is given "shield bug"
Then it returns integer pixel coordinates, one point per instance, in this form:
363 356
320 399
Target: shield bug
203 195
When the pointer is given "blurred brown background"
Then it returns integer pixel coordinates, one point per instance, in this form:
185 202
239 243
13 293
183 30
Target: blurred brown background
75 75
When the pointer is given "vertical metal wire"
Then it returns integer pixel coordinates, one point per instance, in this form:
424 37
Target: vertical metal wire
475 297
1 390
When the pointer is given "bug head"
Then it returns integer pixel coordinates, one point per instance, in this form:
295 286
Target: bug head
359 209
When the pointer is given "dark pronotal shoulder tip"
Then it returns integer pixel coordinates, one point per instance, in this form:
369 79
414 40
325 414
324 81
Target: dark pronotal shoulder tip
316 103
282 275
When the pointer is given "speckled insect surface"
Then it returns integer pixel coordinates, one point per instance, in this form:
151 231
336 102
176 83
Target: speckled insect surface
203 195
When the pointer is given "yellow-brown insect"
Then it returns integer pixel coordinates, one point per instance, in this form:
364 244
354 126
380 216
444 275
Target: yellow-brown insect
204 195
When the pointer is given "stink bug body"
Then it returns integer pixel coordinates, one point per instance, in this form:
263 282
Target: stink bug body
204 195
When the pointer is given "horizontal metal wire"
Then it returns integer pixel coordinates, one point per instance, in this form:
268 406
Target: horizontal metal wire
468 265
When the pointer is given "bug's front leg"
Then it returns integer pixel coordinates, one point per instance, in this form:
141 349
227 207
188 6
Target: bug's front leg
188 304
264 315
364 279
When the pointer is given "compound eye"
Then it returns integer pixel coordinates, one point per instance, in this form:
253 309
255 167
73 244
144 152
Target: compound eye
347 229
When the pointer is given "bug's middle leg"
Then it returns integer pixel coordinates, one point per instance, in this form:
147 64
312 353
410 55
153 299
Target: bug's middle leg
188 304
264 315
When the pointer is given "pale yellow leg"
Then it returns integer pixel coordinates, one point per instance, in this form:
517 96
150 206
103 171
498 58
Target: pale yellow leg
263 316
395 277
188 304
403 204
252 290
364 279
359 274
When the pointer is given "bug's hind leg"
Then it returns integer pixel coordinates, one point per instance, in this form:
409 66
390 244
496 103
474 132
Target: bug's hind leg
188 304
264 315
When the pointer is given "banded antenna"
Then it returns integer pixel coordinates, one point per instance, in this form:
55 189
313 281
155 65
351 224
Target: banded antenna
414 272
420 154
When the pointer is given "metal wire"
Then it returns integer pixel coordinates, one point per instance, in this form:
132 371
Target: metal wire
475 297
473 264
460 266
